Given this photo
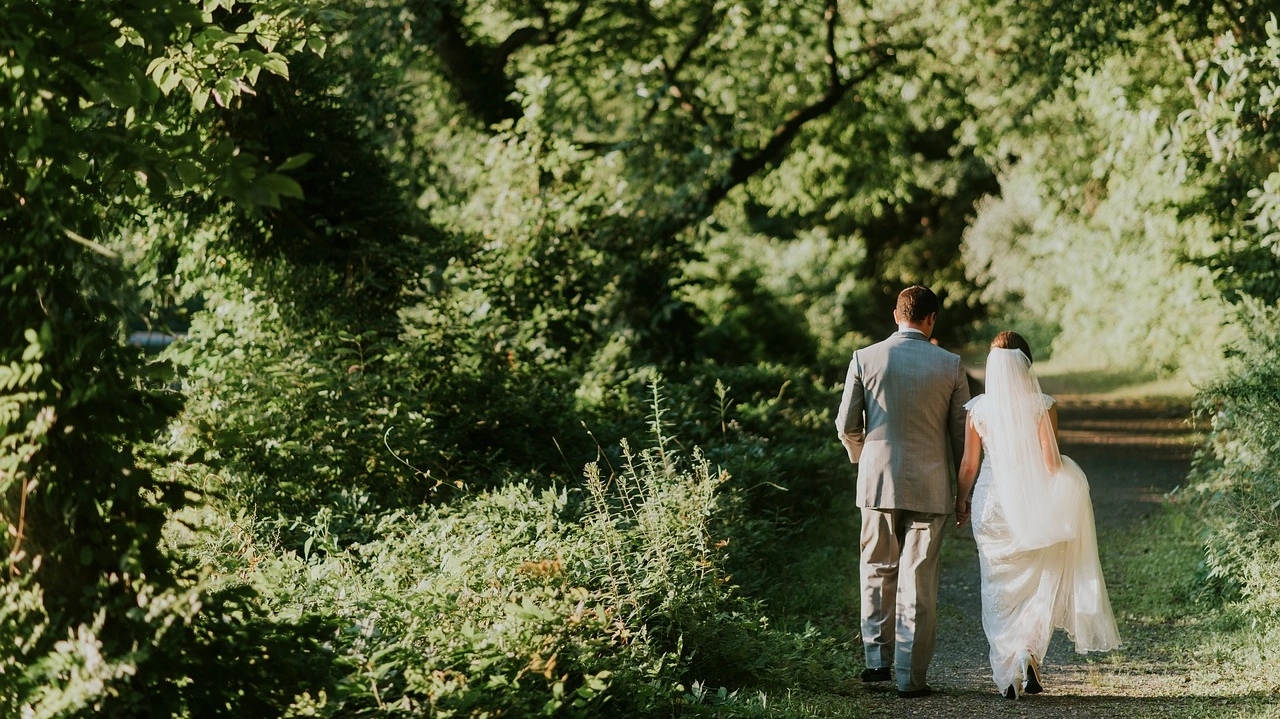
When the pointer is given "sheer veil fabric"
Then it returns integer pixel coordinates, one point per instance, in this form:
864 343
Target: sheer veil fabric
1034 526
1041 503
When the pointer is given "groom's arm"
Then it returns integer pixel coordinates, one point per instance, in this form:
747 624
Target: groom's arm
850 420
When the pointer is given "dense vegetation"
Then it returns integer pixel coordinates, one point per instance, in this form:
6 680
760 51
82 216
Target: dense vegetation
510 332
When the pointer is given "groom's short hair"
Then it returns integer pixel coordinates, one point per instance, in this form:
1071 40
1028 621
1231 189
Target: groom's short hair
916 303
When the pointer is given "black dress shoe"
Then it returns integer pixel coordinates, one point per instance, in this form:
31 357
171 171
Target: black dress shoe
1010 692
882 674
915 693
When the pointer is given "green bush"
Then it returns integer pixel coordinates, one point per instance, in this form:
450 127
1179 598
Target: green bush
611 596
1238 471
186 651
288 408
1088 244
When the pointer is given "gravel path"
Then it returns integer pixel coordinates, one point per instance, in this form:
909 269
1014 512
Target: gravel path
1133 453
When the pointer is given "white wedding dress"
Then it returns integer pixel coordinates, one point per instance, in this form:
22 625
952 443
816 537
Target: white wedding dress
1034 526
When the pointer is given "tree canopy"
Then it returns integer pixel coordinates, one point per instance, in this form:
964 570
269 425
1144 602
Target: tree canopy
426 261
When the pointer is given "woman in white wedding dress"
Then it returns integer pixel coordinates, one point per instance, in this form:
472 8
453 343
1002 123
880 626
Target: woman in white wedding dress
1033 522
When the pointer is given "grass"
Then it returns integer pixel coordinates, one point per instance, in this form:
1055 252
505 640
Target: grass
1188 643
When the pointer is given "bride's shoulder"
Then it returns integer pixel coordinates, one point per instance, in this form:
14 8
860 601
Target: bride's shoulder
976 401
1048 400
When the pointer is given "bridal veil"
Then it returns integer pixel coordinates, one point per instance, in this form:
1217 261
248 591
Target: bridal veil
1043 499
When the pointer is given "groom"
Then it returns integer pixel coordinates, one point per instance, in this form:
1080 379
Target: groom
902 420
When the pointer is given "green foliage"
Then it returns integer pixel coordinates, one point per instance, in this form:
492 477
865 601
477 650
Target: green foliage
75 504
103 110
526 601
74 85
774 300
634 156
1088 238
288 408
1238 472
1237 85
171 652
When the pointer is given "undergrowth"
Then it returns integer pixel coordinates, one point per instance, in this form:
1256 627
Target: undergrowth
606 597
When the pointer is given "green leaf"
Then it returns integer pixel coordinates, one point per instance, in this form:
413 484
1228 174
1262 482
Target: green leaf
168 81
295 162
189 172
276 64
224 91
156 67
78 167
278 184
122 94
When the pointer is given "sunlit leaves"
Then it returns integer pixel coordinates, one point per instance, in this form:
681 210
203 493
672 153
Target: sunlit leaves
100 118
220 64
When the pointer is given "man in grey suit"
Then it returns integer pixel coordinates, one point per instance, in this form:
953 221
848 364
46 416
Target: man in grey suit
902 420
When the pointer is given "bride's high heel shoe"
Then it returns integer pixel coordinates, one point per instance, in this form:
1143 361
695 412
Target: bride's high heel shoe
1031 675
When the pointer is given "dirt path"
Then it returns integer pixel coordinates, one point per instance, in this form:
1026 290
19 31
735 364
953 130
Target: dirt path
1133 454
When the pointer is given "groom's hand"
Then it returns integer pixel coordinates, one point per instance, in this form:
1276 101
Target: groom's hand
962 511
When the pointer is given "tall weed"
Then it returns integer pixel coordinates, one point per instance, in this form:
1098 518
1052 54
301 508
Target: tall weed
593 600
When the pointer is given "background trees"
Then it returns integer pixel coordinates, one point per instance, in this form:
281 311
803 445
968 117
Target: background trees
413 248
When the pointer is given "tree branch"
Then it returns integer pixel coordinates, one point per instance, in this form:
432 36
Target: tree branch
548 34
477 69
744 167
671 71
519 38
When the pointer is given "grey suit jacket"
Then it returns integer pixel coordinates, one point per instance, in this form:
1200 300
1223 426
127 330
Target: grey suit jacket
902 420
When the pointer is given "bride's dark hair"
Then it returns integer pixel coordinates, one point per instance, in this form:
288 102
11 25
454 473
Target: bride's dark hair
1009 340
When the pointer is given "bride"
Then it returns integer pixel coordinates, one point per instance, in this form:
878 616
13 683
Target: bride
1033 523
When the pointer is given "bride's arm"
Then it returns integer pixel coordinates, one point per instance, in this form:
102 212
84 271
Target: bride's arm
1049 440
968 473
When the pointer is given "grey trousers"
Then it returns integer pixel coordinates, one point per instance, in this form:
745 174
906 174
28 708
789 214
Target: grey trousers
899 563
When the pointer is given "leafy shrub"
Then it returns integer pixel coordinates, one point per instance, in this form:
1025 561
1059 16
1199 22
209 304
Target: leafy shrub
766 299
293 409
771 424
1239 471
521 600
182 651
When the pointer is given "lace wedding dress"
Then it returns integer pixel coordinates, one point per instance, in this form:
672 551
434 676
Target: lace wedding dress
1033 522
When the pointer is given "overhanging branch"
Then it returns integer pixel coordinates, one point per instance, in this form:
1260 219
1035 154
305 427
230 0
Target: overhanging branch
745 166
671 71
477 68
